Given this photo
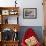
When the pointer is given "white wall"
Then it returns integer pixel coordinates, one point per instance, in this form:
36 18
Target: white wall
27 4
32 4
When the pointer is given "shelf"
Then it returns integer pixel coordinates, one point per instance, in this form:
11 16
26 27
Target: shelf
9 10
11 41
5 12
10 26
4 8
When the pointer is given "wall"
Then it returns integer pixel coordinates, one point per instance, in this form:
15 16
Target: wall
27 4
32 4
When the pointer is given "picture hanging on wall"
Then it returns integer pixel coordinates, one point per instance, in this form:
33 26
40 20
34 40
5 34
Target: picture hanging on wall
29 13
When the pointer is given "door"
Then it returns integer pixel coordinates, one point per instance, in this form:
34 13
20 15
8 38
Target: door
44 6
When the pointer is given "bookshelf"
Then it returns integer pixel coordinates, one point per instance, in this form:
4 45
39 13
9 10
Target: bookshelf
8 25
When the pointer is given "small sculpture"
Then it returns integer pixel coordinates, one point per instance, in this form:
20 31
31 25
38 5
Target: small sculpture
6 21
15 3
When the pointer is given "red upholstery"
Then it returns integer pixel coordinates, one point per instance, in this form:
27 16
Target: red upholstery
29 33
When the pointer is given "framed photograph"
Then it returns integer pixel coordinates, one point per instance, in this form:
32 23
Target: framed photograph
30 13
5 12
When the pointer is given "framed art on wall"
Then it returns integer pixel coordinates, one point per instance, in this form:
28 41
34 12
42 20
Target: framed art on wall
30 13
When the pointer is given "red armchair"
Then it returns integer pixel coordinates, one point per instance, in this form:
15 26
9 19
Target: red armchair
30 35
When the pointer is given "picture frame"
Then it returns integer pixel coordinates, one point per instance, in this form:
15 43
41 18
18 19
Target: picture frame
5 12
29 13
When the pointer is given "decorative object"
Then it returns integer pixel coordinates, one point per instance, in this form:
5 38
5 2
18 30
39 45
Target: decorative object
15 3
13 12
5 12
15 37
15 30
7 34
30 13
6 21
